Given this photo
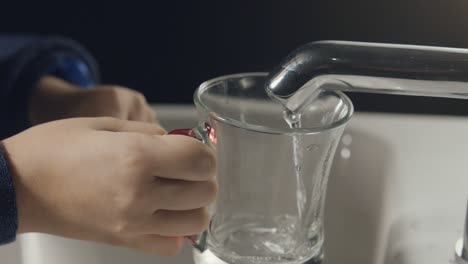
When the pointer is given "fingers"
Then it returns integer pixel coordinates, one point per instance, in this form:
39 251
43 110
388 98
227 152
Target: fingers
140 110
147 114
151 115
183 158
181 195
122 103
118 125
163 156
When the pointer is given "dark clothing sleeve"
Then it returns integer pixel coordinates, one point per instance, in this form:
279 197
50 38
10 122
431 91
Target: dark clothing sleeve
23 61
8 211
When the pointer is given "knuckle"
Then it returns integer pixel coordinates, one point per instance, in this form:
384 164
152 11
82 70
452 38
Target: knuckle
127 213
133 157
110 101
202 220
138 98
120 226
134 198
211 190
124 206
153 115
110 92
203 161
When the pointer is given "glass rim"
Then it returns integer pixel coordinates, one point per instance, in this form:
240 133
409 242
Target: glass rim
199 104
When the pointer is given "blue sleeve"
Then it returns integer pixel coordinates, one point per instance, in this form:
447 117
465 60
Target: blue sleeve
8 211
24 60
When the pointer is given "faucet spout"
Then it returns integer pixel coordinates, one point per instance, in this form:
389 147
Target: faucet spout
372 68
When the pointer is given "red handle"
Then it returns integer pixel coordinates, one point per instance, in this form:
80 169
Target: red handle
185 131
208 130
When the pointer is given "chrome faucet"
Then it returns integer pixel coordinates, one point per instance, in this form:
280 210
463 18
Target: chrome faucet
372 68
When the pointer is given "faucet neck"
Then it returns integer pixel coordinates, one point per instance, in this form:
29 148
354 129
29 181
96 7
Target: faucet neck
389 68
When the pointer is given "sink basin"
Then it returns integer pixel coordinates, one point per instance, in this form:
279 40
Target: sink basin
397 194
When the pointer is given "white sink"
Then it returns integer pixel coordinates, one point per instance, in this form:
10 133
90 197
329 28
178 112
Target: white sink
397 195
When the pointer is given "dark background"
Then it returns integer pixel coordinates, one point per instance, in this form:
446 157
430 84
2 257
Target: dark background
165 49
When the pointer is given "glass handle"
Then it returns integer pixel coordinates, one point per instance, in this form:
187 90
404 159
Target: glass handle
205 134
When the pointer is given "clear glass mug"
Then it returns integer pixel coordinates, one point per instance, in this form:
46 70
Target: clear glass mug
272 179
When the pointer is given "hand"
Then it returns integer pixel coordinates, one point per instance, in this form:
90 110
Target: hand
118 182
55 99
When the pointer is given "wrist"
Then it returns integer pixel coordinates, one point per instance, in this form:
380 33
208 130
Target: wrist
26 178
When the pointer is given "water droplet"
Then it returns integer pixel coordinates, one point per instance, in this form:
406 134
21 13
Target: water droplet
347 139
298 168
312 147
345 153
292 119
